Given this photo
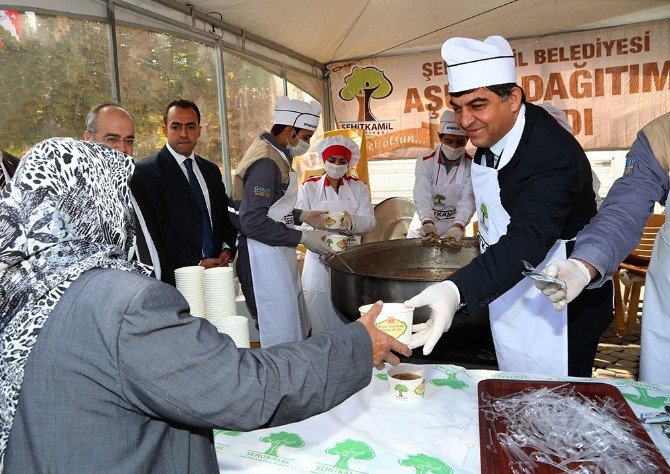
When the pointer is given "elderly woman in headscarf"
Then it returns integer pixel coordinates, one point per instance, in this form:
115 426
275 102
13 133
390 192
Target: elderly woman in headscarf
335 190
102 367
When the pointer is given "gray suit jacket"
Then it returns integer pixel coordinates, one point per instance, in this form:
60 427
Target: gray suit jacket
123 379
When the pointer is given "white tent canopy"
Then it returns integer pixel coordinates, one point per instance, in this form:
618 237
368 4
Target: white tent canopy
330 31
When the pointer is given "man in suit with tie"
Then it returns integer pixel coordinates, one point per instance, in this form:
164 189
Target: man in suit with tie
185 195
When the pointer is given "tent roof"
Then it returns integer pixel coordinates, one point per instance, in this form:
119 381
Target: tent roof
329 31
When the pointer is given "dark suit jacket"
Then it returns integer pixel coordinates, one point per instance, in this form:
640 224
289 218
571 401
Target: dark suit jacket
547 190
164 194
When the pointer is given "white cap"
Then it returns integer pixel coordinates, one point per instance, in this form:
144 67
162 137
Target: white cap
448 123
472 63
331 144
297 113
560 116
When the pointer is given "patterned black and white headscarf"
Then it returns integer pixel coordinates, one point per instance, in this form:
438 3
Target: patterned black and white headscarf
68 211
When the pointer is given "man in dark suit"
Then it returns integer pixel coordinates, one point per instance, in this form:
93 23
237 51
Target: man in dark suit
185 195
533 191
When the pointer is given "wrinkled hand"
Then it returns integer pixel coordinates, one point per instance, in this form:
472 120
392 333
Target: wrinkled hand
210 262
429 232
573 272
315 219
383 345
348 222
443 300
315 240
453 238
225 257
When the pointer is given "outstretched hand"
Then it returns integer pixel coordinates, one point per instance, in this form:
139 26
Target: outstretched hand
383 345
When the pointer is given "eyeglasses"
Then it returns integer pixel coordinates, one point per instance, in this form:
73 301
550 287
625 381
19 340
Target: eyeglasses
114 141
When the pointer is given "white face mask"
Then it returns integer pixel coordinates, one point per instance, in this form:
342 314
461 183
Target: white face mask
452 154
335 171
300 149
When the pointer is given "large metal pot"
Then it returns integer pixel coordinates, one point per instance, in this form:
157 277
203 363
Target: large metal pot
396 270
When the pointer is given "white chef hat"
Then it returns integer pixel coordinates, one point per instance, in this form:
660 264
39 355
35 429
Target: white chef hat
341 146
560 116
472 63
448 123
297 113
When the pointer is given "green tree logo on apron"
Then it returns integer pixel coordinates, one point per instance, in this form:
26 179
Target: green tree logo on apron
424 464
276 440
348 450
484 212
437 199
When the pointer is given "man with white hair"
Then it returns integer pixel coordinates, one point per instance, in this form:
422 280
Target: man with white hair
442 188
533 193
112 125
267 190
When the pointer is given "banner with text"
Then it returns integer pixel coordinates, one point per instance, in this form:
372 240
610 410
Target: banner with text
610 82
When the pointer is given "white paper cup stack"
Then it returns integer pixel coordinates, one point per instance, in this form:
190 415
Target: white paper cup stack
219 291
237 327
190 285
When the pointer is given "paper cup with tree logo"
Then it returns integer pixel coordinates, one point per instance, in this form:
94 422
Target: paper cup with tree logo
337 242
334 220
395 320
407 382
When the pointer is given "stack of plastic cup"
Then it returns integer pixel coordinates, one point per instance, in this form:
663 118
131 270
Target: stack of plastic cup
237 327
190 285
219 293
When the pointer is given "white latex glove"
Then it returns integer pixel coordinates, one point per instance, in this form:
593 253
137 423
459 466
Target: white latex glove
453 237
575 275
348 222
315 219
429 232
443 300
315 240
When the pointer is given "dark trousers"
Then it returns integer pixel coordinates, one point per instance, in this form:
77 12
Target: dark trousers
589 315
243 269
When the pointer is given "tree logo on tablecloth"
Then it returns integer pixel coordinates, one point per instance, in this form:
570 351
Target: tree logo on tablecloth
276 440
643 398
424 464
450 380
349 450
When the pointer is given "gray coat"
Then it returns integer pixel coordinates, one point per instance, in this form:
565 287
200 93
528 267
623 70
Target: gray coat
123 379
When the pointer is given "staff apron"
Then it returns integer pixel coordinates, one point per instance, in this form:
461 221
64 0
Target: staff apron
530 336
445 199
316 276
655 330
282 316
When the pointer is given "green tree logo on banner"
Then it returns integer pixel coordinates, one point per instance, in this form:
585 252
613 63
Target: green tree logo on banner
348 450
363 84
290 440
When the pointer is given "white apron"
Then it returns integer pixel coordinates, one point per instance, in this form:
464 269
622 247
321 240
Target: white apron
274 270
655 331
445 199
530 336
316 276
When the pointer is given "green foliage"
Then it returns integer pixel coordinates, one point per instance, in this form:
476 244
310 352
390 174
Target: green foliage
350 449
424 464
367 78
282 438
